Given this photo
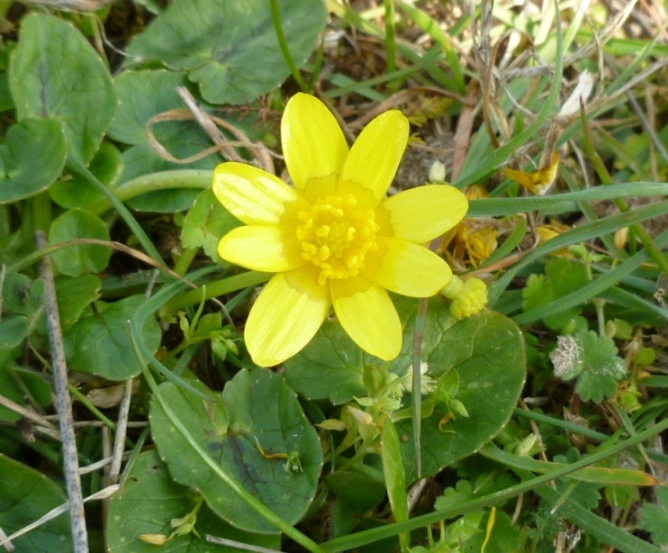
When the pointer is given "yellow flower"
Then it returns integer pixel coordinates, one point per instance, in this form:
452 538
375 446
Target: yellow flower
554 229
334 239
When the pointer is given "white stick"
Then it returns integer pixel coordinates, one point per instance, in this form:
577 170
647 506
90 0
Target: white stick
63 405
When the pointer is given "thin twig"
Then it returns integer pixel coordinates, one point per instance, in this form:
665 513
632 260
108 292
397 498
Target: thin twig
26 413
99 464
209 127
121 427
53 513
240 545
63 404
9 546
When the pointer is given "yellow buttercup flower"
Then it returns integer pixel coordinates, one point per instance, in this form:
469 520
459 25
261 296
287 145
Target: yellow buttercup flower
334 239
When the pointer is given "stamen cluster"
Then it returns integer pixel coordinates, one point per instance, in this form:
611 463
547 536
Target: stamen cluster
335 235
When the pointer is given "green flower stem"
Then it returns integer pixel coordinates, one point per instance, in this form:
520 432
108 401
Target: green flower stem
606 179
283 43
416 392
216 288
184 261
370 536
164 180
218 470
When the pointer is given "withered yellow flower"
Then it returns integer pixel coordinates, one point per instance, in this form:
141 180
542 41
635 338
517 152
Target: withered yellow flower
334 239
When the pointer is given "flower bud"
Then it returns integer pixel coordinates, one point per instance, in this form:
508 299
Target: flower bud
437 172
468 298
620 238
453 288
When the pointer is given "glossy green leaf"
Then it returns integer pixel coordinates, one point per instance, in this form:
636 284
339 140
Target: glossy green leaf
31 140
100 343
206 223
74 295
219 43
142 95
82 258
13 330
25 496
77 191
330 367
357 491
16 295
23 308
269 447
151 500
54 72
487 350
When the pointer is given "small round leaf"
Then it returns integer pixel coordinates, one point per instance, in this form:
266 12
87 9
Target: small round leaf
83 258
25 143
100 344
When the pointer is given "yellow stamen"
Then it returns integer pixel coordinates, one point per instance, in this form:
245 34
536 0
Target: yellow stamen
335 236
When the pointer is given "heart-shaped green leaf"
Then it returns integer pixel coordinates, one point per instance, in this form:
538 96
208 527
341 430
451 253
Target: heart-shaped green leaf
74 295
147 506
267 446
220 42
82 258
142 95
329 367
25 496
33 155
54 72
100 343
77 191
487 351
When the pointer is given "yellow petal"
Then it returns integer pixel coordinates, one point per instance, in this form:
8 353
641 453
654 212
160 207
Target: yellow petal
406 268
375 156
367 314
262 248
313 143
423 213
255 196
285 317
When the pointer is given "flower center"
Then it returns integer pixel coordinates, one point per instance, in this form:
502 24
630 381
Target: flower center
335 235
